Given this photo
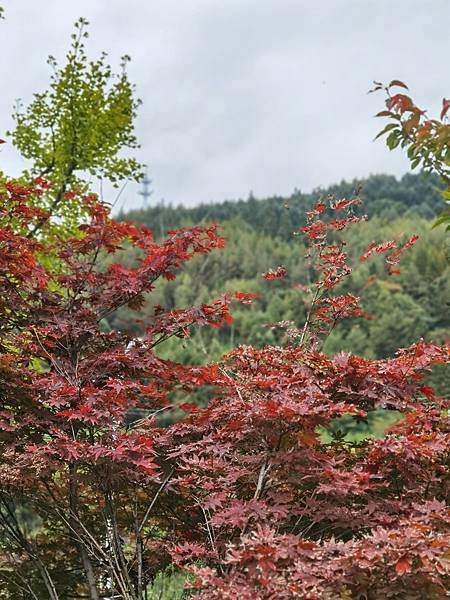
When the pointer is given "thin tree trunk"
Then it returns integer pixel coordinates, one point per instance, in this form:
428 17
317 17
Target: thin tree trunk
13 530
117 546
48 581
138 550
73 520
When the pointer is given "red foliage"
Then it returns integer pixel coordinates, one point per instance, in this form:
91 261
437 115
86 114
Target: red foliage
278 273
394 257
246 493
270 509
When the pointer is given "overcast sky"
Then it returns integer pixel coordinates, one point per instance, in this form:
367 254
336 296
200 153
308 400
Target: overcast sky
242 95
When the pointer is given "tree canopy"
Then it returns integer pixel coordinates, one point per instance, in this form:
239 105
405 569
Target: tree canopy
78 128
258 494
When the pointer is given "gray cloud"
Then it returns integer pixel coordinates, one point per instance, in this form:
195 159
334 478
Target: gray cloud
240 95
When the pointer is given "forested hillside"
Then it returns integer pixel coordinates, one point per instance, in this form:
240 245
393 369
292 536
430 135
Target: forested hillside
384 196
264 233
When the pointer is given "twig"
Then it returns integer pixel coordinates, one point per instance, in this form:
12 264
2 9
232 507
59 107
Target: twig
155 498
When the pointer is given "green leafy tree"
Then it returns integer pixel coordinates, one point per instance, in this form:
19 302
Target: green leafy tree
426 140
78 128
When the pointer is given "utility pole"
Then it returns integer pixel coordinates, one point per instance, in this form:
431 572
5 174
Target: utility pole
146 192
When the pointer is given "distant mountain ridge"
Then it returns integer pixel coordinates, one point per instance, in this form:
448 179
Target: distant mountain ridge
276 216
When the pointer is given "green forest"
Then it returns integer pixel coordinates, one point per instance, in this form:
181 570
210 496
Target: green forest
261 234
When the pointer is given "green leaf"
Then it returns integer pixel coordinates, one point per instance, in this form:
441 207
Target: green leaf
388 127
393 140
442 219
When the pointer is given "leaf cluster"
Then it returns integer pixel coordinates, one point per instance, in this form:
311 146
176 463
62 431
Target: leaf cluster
79 127
244 495
426 140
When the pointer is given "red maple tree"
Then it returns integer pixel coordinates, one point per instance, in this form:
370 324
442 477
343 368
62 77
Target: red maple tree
247 495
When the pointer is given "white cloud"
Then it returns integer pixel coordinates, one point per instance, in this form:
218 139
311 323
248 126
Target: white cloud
239 95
